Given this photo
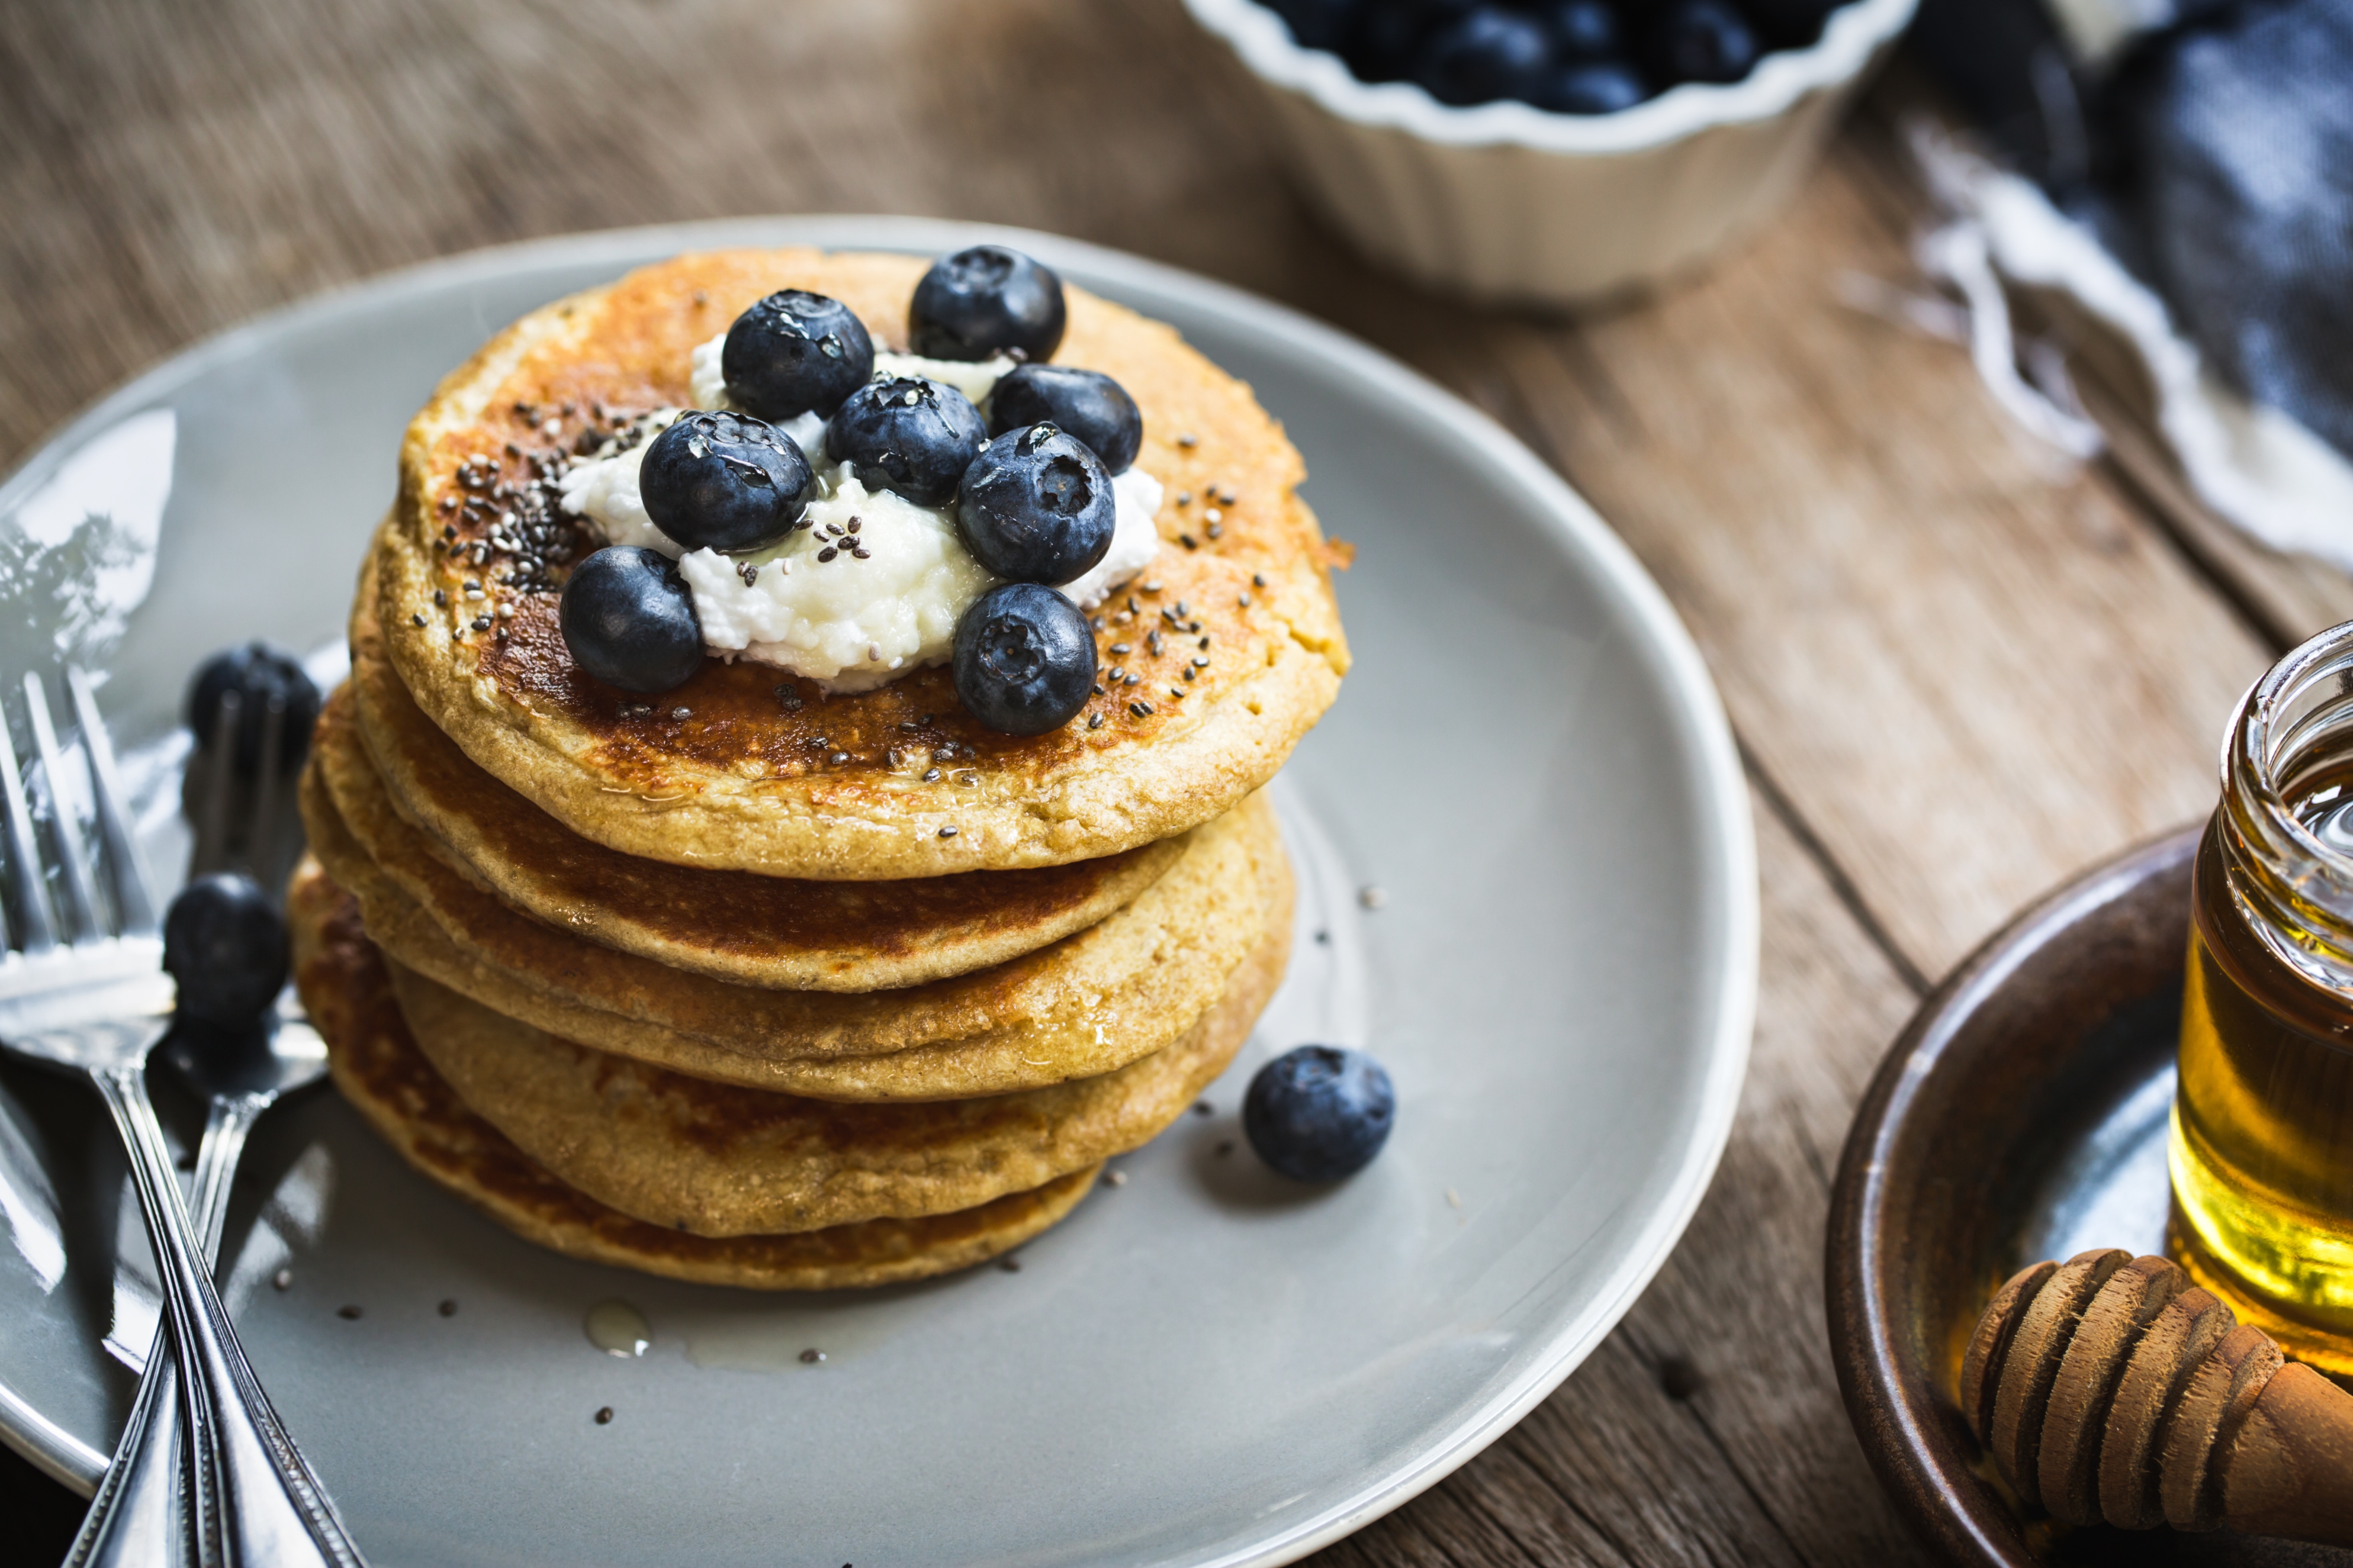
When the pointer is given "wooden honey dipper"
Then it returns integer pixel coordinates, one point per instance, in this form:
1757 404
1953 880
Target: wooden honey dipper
2109 1388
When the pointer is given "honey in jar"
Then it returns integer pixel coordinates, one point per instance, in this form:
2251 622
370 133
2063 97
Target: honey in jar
2261 1148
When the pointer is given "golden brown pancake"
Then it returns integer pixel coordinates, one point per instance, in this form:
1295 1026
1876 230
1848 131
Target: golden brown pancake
730 925
378 1069
717 1159
1088 1005
734 769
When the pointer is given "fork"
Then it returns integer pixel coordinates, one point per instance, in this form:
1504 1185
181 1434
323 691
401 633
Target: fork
98 1003
136 1523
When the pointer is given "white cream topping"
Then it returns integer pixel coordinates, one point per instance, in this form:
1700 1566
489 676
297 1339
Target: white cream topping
847 623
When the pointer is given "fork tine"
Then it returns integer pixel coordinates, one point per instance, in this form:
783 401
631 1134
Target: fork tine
39 935
134 892
219 757
82 911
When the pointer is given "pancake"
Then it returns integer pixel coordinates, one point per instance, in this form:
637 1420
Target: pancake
730 925
736 768
715 1160
1086 1005
378 1069
1113 993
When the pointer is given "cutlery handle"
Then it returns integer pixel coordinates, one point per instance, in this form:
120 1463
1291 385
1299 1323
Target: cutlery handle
132 1522
257 1502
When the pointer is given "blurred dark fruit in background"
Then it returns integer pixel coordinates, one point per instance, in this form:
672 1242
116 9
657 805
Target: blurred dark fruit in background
1571 56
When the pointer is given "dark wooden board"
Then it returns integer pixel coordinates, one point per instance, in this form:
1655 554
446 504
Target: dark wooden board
1958 671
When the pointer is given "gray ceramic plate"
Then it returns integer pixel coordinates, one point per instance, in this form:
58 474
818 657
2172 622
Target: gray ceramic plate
1202 1365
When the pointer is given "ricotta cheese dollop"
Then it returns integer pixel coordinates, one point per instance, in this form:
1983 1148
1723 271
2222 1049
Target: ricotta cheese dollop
812 604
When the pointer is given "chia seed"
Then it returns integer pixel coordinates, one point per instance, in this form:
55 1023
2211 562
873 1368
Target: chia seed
949 832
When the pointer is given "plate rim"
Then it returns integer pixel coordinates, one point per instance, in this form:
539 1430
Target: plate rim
1696 710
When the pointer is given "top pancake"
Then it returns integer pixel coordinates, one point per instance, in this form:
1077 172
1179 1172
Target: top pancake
770 932
747 779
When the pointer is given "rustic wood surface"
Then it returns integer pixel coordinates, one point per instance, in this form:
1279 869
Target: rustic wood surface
1958 670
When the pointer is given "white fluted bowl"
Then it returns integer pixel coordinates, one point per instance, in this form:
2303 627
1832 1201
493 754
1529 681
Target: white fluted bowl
1508 204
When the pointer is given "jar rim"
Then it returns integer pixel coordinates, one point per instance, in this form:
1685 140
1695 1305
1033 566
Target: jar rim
2250 767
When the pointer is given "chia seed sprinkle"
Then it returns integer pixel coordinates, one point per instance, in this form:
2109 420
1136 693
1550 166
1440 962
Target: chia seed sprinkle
418 618
827 553
1095 720
838 758
1243 600
1188 440
1152 588
859 552
1133 680
682 712
1189 672
605 1416
1257 580
1214 530
1116 1178
481 623
931 776
1141 709
949 832
1184 498
1099 688
1201 663
812 1356
1188 541
1226 497
749 572
1121 647
1205 643
1179 692
349 1314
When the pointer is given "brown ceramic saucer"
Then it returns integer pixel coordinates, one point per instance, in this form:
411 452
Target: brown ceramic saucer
2021 1116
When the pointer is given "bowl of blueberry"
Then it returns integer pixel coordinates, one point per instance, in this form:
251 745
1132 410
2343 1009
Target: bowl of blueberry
1552 153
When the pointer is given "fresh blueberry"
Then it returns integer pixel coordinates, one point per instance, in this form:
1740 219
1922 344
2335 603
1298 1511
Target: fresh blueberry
259 674
724 482
628 618
1087 404
1037 506
984 301
1317 1113
1591 87
795 352
908 434
1700 40
1791 24
1585 30
1318 24
224 949
1389 35
1489 54
1025 659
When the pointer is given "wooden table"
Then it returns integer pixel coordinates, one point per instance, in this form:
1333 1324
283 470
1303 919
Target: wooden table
1959 670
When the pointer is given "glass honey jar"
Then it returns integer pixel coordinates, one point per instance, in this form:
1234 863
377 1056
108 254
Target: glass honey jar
2261 1148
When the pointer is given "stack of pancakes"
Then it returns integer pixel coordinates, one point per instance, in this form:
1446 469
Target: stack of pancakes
749 984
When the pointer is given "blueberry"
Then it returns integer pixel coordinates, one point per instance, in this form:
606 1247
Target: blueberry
259 673
1087 404
1389 35
1318 24
724 482
226 949
1791 24
1489 54
1317 1113
908 434
628 619
1700 40
984 301
1037 506
1591 87
795 352
1025 659
1585 30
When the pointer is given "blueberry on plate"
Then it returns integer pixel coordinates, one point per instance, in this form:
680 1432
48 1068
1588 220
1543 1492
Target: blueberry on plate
907 435
794 352
1025 659
224 949
724 482
1591 87
1087 404
1585 30
1037 506
628 618
1487 55
259 674
1317 1113
987 300
1700 40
